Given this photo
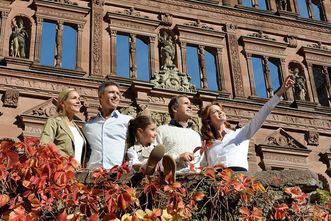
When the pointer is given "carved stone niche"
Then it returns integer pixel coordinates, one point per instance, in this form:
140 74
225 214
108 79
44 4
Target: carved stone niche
19 41
281 151
11 98
35 118
326 158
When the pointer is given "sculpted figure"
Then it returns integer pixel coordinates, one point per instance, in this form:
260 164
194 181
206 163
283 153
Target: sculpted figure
167 50
18 39
300 85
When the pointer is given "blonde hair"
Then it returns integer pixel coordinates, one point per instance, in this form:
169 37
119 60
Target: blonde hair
63 96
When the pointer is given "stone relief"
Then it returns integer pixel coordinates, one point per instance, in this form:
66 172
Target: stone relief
19 38
318 45
169 76
44 112
160 118
97 42
312 138
300 89
261 35
11 98
292 41
67 2
166 18
198 24
131 11
281 5
282 139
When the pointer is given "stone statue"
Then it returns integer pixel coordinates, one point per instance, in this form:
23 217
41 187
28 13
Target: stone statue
300 85
282 5
18 38
167 51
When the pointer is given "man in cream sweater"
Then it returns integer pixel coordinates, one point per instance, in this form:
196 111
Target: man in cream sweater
178 137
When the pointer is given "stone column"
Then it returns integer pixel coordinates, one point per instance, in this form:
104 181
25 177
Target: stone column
202 65
219 68
183 53
59 36
283 70
232 43
38 40
153 55
251 72
96 38
327 81
79 46
4 16
113 34
310 9
267 77
133 63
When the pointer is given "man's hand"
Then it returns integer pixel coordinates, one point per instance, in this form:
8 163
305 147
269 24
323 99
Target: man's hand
186 157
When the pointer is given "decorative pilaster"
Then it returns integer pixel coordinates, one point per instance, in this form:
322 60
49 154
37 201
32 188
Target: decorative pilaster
4 16
219 68
133 63
38 40
113 34
79 46
96 32
59 36
312 80
250 72
183 55
202 65
153 54
232 43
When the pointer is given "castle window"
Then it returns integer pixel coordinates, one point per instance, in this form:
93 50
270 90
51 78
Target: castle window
201 65
322 78
58 45
132 57
311 9
266 72
260 4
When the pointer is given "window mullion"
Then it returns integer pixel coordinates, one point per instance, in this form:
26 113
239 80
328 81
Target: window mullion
267 76
59 36
327 81
133 64
202 65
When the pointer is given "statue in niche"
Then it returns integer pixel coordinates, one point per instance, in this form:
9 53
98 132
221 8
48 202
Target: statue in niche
282 5
18 38
167 51
300 85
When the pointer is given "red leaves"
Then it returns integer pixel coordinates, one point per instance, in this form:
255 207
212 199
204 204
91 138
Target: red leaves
297 194
248 215
4 198
281 211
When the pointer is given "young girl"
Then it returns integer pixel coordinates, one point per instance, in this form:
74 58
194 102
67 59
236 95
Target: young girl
143 154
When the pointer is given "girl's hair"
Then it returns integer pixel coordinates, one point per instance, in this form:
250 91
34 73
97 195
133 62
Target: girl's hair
207 130
142 122
63 96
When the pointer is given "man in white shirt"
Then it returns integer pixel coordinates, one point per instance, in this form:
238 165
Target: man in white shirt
106 133
178 137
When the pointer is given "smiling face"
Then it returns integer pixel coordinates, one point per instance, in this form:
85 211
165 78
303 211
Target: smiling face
72 104
147 136
110 99
216 116
183 110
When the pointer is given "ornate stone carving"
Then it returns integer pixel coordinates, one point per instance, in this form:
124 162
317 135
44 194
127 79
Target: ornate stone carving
312 138
168 50
300 87
98 3
67 2
261 35
292 41
11 98
199 25
97 42
130 110
160 118
230 27
319 45
19 38
235 64
44 112
165 18
281 5
131 11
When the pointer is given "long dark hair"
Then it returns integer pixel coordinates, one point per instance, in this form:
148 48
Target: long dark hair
208 132
142 122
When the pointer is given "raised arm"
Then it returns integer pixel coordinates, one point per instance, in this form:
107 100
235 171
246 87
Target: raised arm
251 128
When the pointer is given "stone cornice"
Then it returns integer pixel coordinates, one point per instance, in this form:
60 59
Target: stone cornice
57 11
313 55
262 46
136 24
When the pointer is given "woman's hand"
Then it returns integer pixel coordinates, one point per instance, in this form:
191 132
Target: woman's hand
288 83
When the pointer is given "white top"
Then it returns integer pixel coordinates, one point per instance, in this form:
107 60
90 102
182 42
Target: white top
178 140
78 143
232 151
139 154
106 138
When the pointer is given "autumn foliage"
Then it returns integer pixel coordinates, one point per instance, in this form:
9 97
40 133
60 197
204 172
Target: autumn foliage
37 183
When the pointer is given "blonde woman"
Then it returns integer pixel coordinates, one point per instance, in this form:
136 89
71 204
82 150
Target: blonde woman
62 130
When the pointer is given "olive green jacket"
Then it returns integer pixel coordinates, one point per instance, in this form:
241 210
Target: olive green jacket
58 132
